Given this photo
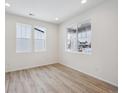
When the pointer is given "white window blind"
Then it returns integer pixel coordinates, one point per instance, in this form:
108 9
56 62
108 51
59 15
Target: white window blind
23 38
39 39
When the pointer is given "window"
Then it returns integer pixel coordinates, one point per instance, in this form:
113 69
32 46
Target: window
23 38
79 38
71 39
39 38
28 39
84 38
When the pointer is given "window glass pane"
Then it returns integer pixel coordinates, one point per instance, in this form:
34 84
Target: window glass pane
28 31
39 35
18 30
39 38
39 44
23 31
79 38
84 38
23 45
71 43
23 37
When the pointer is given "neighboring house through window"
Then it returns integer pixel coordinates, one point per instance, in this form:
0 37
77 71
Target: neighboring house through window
78 38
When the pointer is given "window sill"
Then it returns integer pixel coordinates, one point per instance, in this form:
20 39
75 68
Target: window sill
75 52
42 50
30 52
22 52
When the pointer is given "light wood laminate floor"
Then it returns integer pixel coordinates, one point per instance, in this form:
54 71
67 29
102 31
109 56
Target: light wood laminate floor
54 78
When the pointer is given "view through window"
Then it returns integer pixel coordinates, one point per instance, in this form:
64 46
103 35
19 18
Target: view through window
79 38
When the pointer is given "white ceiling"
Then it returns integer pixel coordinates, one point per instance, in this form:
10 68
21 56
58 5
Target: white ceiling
48 10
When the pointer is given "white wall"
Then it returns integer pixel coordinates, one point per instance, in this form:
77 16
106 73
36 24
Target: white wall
103 63
17 61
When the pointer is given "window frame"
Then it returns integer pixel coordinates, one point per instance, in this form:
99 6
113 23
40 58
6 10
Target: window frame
40 50
66 40
32 39
31 45
76 26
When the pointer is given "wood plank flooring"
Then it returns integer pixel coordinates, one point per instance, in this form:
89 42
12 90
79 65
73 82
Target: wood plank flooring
54 78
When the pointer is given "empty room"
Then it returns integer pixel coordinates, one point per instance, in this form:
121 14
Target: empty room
61 46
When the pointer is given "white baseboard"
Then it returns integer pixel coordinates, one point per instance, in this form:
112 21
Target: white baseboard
99 78
28 67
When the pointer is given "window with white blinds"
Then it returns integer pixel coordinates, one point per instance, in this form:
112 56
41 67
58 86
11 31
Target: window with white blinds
39 38
30 39
23 38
